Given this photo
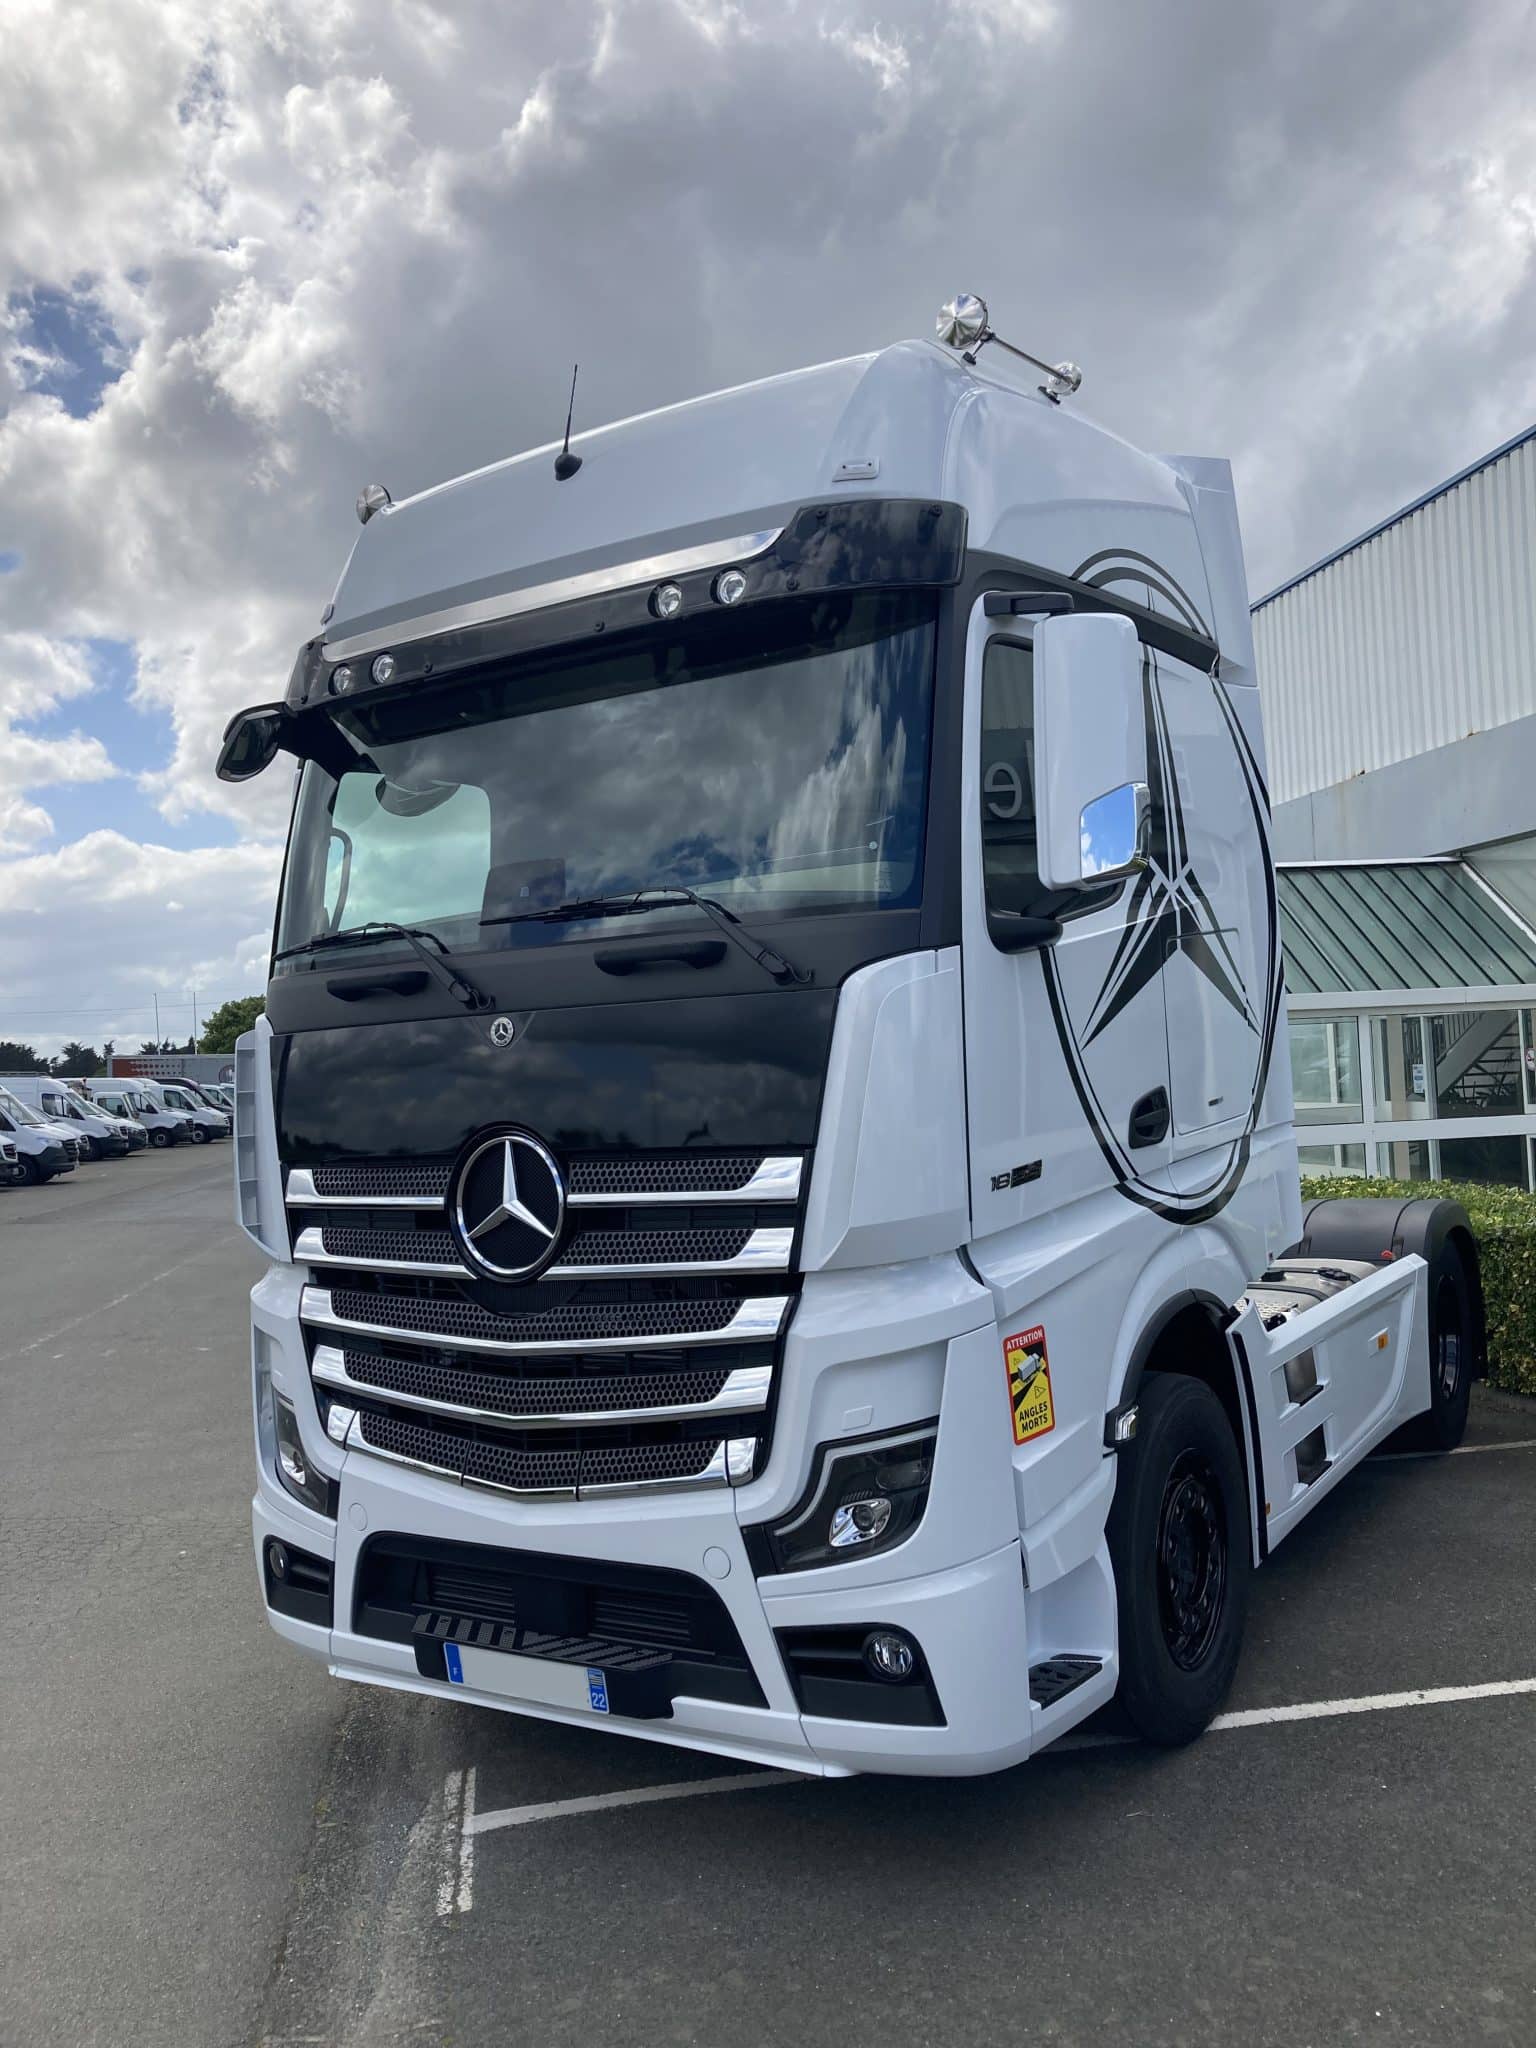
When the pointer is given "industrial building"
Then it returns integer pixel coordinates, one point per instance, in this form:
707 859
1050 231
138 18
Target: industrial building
1399 684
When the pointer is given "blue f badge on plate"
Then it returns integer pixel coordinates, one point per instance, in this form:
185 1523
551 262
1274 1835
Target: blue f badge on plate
597 1690
454 1662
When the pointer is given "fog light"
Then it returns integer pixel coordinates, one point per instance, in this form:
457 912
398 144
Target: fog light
341 680
277 1559
730 587
383 667
861 1521
666 600
889 1656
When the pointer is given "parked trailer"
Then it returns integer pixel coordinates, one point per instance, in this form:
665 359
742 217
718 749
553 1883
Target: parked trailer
789 1243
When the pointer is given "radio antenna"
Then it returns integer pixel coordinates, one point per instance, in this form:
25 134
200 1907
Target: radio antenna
567 464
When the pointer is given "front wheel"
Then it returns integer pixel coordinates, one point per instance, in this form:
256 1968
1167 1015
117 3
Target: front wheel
1178 1539
31 1175
160 1138
89 1149
199 1135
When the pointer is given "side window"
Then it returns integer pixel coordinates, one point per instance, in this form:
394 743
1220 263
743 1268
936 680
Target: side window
1008 778
1008 845
5 1122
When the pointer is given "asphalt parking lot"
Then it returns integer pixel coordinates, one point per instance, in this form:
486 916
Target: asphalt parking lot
208 1841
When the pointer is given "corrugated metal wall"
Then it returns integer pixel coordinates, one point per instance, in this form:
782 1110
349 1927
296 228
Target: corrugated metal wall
1411 640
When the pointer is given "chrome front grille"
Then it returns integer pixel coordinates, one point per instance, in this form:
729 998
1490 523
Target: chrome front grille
644 1355
588 1254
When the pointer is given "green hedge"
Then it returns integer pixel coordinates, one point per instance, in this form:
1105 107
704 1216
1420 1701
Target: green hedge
1504 1221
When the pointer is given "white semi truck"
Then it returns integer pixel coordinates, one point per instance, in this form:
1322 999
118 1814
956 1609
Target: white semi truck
771 1128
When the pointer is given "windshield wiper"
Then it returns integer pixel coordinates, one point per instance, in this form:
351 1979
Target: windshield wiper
667 896
458 985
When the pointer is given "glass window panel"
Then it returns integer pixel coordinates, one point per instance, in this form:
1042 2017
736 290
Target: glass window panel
1401 1078
1404 1159
1496 1162
1332 1158
1325 1070
1476 1063
1528 1055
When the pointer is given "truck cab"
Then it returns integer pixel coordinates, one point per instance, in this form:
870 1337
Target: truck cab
767 1128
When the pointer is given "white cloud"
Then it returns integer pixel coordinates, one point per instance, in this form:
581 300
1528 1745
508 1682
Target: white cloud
336 240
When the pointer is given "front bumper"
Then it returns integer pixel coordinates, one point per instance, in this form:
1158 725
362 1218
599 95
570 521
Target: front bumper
955 1587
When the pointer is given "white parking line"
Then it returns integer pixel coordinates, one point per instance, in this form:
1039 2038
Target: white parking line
1376 1703
640 1795
457 1888
456 1871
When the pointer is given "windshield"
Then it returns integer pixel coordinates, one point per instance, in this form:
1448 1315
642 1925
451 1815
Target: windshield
776 761
19 1110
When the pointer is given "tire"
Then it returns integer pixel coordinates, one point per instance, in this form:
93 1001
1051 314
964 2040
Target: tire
89 1149
199 1135
160 1138
1179 1541
1453 1353
32 1175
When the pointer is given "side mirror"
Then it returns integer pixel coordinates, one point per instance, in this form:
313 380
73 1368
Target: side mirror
251 741
1114 832
1091 803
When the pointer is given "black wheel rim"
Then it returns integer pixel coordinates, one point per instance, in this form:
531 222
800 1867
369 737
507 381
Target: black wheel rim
1448 1338
1191 1560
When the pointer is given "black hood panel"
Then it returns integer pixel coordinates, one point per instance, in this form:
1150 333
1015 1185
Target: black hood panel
732 1070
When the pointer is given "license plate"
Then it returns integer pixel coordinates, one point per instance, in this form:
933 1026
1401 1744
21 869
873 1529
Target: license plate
538 1679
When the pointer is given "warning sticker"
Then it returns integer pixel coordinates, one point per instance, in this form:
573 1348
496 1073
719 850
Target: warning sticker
1029 1384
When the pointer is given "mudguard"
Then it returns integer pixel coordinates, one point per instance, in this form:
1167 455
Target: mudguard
1382 1228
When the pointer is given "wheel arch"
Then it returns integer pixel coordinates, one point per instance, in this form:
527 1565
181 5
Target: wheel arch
1188 1335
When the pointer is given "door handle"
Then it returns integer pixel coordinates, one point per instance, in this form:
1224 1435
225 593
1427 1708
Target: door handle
659 953
404 981
1149 1119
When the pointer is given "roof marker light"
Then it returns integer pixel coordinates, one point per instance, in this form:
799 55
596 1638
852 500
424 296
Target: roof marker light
666 600
730 587
383 668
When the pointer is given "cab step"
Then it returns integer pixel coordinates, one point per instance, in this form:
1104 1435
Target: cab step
1053 1679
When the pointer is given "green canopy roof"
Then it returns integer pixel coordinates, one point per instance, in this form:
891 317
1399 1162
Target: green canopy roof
1359 927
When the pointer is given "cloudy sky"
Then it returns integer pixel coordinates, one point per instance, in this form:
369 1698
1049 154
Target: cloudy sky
254 253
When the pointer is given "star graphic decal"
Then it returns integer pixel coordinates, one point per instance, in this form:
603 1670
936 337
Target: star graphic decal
1169 909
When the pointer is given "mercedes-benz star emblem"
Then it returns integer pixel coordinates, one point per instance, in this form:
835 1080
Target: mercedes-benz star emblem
503 1031
508 1206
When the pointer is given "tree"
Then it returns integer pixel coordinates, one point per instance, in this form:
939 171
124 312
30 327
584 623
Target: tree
79 1059
20 1059
229 1020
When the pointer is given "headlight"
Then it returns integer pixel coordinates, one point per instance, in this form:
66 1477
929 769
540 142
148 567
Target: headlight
863 1497
293 1467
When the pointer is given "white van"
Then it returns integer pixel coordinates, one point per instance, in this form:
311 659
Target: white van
42 1149
122 1098
207 1123
98 1135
